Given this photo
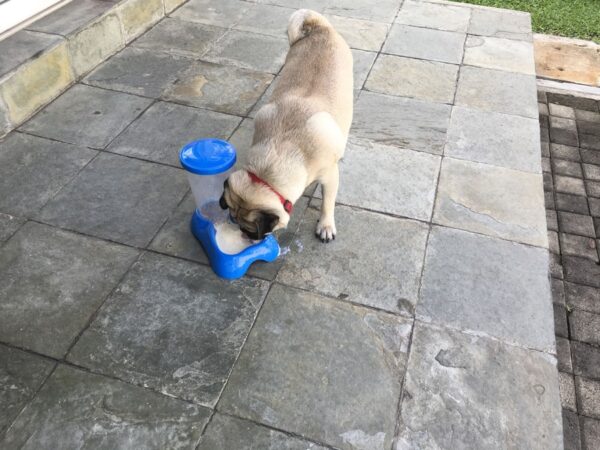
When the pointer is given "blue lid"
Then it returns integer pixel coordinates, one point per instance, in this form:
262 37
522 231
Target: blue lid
207 156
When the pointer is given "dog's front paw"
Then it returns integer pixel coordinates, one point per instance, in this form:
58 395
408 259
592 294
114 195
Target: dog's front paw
326 230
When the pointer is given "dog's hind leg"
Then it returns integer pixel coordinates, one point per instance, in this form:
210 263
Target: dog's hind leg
329 184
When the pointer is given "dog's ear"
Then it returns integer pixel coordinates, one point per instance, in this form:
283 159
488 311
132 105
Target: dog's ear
265 223
222 201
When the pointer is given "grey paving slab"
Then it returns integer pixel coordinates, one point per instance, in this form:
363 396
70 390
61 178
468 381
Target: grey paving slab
415 78
33 170
551 220
594 206
179 37
118 198
164 128
566 384
78 409
563 354
500 23
564 152
264 99
502 54
431 15
546 167
496 90
561 326
242 141
569 185
53 281
401 122
553 244
549 200
72 17
380 11
21 375
139 71
9 225
265 19
586 104
226 433
591 172
5 125
571 244
563 131
360 34
494 138
582 270
593 188
589 134
476 283
588 396
370 270
585 326
556 269
221 88
458 395
22 46
249 51
561 111
545 156
410 195
363 61
586 360
588 116
548 182
173 326
558 292
590 432
576 224
544 135
322 369
572 434
568 168
492 200
425 43
223 13
175 239
87 115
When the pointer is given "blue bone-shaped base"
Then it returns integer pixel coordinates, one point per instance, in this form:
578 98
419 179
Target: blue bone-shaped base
231 266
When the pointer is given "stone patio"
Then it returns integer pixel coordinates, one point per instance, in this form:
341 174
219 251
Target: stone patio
428 323
570 128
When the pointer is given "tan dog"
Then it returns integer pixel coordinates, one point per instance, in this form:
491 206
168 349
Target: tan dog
300 135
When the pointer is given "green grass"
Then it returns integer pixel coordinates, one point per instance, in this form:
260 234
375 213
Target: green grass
571 18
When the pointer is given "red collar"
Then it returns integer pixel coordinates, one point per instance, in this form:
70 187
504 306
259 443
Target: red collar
287 205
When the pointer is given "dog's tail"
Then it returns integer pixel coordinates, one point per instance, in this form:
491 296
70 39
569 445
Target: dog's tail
303 22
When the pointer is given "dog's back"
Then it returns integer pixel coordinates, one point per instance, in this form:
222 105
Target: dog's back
318 67
311 105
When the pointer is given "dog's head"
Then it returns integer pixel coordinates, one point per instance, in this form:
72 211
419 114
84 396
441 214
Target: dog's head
253 207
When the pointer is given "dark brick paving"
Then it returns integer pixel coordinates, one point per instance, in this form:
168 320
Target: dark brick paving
570 132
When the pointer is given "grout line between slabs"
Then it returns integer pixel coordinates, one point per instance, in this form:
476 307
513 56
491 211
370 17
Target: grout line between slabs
35 394
279 430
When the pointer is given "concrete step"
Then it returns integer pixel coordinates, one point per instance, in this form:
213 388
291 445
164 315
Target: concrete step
38 63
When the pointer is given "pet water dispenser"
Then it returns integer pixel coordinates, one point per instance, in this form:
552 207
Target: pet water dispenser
208 163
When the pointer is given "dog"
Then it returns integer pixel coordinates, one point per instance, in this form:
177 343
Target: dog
299 135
